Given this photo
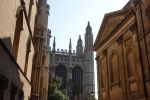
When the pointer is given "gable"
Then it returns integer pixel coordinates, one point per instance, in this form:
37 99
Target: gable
109 23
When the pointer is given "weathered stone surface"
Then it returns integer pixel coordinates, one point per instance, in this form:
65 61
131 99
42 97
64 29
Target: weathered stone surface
123 70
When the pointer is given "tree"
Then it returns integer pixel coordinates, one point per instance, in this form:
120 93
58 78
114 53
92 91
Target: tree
54 92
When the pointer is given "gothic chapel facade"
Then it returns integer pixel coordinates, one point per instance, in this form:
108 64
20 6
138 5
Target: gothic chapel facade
75 68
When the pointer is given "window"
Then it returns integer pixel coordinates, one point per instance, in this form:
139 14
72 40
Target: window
114 68
77 81
102 73
130 64
102 78
18 29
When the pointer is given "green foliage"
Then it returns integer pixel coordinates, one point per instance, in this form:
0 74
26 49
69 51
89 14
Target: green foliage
54 92
59 96
90 98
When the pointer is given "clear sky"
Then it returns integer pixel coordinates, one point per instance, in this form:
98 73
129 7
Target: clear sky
68 18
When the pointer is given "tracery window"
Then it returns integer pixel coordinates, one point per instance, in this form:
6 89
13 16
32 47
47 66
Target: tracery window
62 73
77 81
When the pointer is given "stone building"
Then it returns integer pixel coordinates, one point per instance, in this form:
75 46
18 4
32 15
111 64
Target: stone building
75 68
18 49
123 53
41 38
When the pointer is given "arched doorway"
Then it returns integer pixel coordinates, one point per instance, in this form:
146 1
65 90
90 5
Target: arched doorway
61 72
77 75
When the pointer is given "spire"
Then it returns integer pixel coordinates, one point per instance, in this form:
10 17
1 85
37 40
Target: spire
54 45
88 23
88 28
79 40
70 47
79 47
88 37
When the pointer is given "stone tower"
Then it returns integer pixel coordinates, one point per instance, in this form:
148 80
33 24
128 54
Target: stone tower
75 68
41 60
89 61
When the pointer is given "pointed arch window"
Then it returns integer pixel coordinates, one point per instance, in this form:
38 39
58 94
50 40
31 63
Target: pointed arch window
18 29
77 81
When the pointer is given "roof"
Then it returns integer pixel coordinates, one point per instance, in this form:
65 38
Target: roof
109 23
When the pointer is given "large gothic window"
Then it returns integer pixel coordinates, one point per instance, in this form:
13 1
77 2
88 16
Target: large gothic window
62 73
77 81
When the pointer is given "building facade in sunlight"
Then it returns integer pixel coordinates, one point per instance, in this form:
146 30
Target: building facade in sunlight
19 43
16 48
75 68
123 53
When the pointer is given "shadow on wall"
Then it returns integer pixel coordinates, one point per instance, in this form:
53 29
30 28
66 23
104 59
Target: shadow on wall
11 86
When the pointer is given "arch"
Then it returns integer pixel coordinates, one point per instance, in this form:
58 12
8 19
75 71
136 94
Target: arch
18 29
77 76
61 72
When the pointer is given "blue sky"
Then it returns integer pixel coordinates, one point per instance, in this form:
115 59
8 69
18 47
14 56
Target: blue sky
68 18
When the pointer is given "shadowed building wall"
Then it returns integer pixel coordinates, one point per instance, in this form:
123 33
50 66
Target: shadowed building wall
16 48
